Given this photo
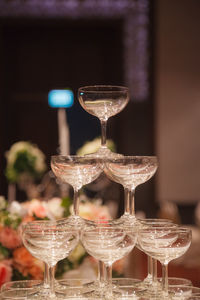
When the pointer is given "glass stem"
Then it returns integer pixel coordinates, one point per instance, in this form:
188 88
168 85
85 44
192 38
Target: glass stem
165 278
154 273
103 133
76 202
149 267
51 280
127 204
109 278
131 197
101 272
46 275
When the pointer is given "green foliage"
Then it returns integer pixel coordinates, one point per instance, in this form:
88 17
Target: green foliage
81 259
63 266
11 174
115 274
66 203
10 220
18 276
24 163
24 159
40 219
4 251
14 223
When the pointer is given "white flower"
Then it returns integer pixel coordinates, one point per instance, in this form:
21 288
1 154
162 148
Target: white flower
2 202
94 210
85 270
15 148
93 146
16 208
35 207
55 208
89 147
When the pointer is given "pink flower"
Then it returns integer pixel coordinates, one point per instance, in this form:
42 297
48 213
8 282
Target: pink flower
9 238
5 271
119 265
26 264
35 207
94 211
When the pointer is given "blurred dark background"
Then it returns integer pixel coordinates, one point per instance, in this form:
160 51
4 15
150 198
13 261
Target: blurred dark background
39 54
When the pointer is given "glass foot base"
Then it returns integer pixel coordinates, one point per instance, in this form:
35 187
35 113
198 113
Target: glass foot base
122 288
72 220
74 287
126 219
104 293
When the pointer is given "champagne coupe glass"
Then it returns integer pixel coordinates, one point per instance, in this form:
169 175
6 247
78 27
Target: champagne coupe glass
100 283
108 243
76 171
103 101
44 286
130 171
50 243
165 243
151 279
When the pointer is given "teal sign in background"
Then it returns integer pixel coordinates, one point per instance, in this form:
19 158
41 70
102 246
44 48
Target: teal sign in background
61 98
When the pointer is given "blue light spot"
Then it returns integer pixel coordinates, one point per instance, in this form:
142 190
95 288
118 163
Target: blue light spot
60 98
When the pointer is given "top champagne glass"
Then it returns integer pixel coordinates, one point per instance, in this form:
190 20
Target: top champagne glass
103 101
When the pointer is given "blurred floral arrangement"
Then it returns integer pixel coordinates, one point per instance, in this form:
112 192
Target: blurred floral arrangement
25 167
16 263
24 160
